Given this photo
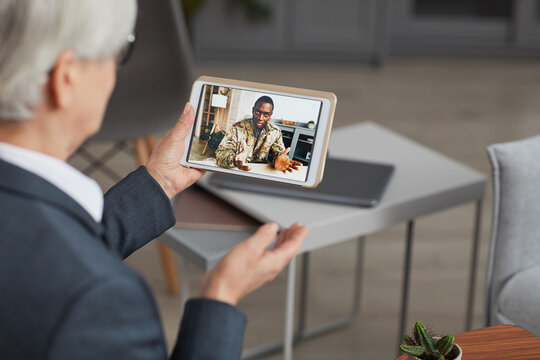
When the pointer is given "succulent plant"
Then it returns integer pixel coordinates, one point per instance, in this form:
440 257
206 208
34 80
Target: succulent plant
425 346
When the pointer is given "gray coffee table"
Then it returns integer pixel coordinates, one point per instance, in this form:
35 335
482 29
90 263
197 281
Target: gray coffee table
424 182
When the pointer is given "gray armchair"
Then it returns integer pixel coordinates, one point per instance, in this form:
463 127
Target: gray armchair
513 276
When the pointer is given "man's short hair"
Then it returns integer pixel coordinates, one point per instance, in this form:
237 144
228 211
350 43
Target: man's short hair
34 32
264 99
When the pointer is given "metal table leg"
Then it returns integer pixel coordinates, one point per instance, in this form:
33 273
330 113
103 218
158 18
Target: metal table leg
304 283
358 281
303 333
474 262
406 281
289 311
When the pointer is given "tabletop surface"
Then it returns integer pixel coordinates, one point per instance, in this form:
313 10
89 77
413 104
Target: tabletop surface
424 181
497 342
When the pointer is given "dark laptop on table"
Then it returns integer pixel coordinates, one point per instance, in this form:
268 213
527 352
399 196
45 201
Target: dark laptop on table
346 182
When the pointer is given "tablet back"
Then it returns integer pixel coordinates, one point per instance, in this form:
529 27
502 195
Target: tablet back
345 182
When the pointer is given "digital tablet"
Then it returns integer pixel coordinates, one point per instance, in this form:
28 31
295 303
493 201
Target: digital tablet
261 131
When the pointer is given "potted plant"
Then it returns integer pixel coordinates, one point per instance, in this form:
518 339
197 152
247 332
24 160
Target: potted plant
425 345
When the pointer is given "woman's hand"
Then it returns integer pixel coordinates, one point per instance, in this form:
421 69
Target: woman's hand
164 163
250 264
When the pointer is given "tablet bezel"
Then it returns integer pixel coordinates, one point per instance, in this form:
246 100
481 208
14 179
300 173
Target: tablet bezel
321 137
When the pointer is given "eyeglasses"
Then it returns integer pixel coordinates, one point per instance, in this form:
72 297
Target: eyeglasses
123 56
127 50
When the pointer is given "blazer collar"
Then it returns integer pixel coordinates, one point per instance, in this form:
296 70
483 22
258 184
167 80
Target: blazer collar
17 180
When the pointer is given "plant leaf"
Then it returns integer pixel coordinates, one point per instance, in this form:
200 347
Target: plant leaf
425 339
445 344
414 350
408 340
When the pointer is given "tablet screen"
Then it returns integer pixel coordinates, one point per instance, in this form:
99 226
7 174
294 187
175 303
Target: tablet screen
248 130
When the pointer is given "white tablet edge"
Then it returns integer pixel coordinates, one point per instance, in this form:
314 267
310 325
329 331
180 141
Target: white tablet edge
320 141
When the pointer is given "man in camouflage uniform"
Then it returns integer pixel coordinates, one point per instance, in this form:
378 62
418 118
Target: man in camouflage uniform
255 140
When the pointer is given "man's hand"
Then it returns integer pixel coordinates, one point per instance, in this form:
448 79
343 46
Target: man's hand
249 265
164 163
284 164
240 158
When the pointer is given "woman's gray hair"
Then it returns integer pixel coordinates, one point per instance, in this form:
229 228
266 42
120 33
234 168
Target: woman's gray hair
34 32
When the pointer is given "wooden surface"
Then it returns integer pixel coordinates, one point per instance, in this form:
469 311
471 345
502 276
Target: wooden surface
196 208
497 342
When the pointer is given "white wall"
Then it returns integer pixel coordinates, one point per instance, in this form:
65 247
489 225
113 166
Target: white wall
293 108
285 107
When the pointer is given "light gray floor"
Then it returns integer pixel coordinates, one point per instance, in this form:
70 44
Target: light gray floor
457 107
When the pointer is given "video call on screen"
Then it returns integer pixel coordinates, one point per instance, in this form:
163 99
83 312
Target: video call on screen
235 126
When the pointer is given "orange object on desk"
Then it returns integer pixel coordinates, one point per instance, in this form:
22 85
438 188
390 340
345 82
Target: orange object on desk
288 122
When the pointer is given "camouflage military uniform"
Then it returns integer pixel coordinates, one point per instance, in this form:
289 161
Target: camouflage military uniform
264 145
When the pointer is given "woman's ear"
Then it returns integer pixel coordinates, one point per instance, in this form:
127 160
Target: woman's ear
63 79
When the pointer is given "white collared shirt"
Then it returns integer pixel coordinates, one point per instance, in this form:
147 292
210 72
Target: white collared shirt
84 190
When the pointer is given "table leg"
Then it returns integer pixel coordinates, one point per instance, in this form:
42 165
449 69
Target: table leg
289 312
406 281
474 262
357 296
348 319
303 333
304 283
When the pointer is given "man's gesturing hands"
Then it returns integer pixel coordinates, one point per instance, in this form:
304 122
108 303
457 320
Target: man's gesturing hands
164 163
250 264
240 158
283 163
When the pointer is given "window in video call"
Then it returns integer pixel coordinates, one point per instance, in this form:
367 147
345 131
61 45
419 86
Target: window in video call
254 131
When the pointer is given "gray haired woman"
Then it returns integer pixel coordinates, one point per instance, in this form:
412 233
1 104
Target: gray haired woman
64 291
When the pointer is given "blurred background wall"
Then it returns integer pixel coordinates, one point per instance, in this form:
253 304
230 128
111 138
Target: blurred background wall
363 29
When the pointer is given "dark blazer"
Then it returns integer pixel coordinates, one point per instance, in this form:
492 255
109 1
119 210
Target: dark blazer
64 291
